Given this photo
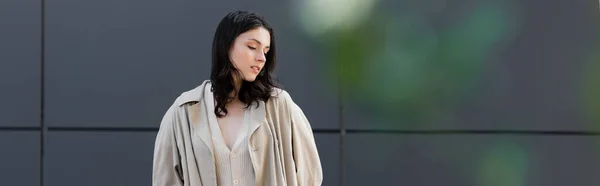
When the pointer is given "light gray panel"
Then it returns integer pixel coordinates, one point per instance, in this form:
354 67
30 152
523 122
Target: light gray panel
20 62
473 64
20 158
471 160
328 146
99 158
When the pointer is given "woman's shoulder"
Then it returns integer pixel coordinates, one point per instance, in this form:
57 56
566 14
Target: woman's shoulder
283 99
278 92
191 95
280 95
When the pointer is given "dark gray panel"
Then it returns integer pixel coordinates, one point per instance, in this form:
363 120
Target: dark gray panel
20 50
20 158
471 160
90 158
304 69
76 158
128 61
474 65
122 63
305 77
328 146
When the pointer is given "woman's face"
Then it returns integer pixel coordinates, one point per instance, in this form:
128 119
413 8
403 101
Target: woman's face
248 52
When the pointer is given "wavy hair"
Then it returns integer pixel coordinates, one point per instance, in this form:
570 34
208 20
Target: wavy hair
223 71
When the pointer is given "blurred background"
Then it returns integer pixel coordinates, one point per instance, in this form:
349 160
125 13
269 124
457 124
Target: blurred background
398 92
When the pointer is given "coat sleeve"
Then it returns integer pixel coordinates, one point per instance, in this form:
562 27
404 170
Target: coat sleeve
306 156
166 167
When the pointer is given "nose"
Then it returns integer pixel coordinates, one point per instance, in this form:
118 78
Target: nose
261 57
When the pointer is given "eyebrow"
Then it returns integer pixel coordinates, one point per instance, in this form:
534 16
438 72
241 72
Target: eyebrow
259 42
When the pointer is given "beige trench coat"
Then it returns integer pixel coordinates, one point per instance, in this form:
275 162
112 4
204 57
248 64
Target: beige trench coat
283 150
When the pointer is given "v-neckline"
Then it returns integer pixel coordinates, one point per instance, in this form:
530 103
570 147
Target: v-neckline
253 118
240 133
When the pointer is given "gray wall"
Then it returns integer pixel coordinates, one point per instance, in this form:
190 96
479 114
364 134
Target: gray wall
460 92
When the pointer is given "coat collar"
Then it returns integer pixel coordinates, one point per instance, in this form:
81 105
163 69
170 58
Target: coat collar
203 95
196 94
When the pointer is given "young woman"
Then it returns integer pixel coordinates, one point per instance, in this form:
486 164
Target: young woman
237 128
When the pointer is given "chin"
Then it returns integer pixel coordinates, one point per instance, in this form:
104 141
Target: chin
251 79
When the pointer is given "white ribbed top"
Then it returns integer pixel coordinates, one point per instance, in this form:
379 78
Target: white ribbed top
233 167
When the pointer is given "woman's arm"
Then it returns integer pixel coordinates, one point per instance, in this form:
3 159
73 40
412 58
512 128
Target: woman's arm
306 156
166 167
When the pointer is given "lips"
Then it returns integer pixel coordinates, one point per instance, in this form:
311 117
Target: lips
256 69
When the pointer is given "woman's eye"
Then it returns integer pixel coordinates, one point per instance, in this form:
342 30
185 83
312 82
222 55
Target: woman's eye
251 47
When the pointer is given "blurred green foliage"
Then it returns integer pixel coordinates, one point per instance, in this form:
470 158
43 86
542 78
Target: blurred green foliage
401 67
503 164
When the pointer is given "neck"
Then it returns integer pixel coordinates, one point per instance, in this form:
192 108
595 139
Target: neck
237 84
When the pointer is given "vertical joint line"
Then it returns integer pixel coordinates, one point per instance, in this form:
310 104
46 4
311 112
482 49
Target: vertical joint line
43 127
341 118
